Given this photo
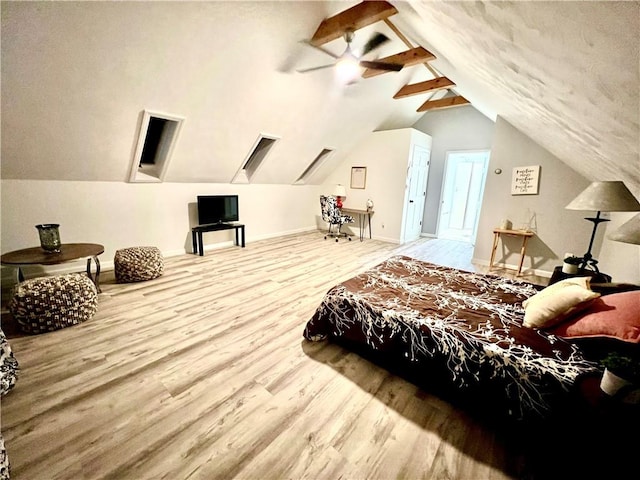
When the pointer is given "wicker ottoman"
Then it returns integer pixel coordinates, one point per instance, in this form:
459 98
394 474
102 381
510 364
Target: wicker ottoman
136 264
51 303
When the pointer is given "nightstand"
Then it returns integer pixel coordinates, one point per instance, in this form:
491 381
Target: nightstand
596 277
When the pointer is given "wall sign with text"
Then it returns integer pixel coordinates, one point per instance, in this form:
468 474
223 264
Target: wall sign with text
525 180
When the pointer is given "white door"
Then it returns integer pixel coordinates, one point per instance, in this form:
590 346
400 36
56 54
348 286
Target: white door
463 186
417 175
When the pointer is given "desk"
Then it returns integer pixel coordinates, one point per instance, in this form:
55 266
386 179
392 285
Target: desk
196 234
68 252
361 217
524 234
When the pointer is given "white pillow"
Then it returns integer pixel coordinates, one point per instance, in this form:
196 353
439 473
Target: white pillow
558 302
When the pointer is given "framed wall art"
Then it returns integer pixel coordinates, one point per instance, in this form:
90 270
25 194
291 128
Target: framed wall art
358 177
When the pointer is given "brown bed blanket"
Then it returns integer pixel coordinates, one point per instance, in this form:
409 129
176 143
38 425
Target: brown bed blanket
466 323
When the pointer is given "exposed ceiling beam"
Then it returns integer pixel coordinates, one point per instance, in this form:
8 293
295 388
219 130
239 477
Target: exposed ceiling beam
439 83
406 41
407 58
446 102
354 18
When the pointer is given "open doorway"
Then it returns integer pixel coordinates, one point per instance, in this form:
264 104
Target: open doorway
463 186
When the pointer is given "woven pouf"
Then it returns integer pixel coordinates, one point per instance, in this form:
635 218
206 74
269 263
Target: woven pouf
136 264
8 366
50 303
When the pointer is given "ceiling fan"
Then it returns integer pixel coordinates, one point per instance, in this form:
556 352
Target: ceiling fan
349 61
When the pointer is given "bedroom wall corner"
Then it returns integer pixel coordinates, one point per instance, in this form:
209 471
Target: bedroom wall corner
558 230
386 154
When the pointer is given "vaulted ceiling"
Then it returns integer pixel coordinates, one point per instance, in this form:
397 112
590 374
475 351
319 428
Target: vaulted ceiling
77 75
564 73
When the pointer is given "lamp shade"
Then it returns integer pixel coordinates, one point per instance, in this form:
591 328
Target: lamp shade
340 191
628 232
610 196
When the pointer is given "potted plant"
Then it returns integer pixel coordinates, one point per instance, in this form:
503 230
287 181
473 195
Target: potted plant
570 264
621 377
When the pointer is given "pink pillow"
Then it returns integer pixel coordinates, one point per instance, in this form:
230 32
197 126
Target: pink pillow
616 315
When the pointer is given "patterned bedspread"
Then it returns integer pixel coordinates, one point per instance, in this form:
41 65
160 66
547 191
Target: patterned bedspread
468 324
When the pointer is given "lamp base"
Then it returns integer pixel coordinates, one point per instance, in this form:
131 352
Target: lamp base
591 262
588 259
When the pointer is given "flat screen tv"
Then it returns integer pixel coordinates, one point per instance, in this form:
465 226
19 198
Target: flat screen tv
217 209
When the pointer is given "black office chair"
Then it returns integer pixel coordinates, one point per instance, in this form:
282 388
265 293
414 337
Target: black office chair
334 217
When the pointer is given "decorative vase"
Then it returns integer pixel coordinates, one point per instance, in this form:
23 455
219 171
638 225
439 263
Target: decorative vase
569 268
49 237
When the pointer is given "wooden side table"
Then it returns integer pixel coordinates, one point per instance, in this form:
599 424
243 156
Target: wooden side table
68 252
524 234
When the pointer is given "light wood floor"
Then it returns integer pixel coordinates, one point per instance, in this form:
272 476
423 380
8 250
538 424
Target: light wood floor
203 373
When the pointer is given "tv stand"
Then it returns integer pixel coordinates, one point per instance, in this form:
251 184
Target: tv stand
196 234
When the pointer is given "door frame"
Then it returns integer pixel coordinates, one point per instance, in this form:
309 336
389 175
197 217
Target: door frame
444 180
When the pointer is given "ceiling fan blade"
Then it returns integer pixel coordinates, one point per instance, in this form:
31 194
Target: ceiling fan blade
374 42
305 70
323 50
392 67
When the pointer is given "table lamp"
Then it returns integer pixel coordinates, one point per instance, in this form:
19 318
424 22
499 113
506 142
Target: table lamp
607 196
628 232
339 191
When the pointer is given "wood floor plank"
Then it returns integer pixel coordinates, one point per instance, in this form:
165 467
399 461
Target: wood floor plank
204 373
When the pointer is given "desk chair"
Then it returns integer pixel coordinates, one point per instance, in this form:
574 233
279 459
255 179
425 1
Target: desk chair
333 216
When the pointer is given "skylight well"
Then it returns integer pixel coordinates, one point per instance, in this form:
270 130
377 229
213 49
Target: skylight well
256 157
156 141
313 166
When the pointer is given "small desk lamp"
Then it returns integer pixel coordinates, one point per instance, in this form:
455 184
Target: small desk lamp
339 191
609 196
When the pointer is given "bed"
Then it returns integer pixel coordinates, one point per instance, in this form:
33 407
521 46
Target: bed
464 329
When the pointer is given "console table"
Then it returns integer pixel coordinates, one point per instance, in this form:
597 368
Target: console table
196 234
524 234
68 252
361 217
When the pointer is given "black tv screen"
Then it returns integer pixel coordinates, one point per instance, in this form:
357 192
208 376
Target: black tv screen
217 209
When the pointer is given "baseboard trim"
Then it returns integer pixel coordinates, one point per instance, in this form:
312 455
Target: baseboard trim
508 266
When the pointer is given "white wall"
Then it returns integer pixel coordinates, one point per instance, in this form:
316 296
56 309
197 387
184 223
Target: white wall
558 230
453 129
386 155
119 215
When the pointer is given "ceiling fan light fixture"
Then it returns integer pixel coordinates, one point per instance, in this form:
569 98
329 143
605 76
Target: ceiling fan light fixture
347 67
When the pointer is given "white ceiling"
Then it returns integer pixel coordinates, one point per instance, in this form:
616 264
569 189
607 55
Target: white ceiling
76 75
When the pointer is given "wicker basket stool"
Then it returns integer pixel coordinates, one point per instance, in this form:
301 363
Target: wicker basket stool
136 264
50 303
